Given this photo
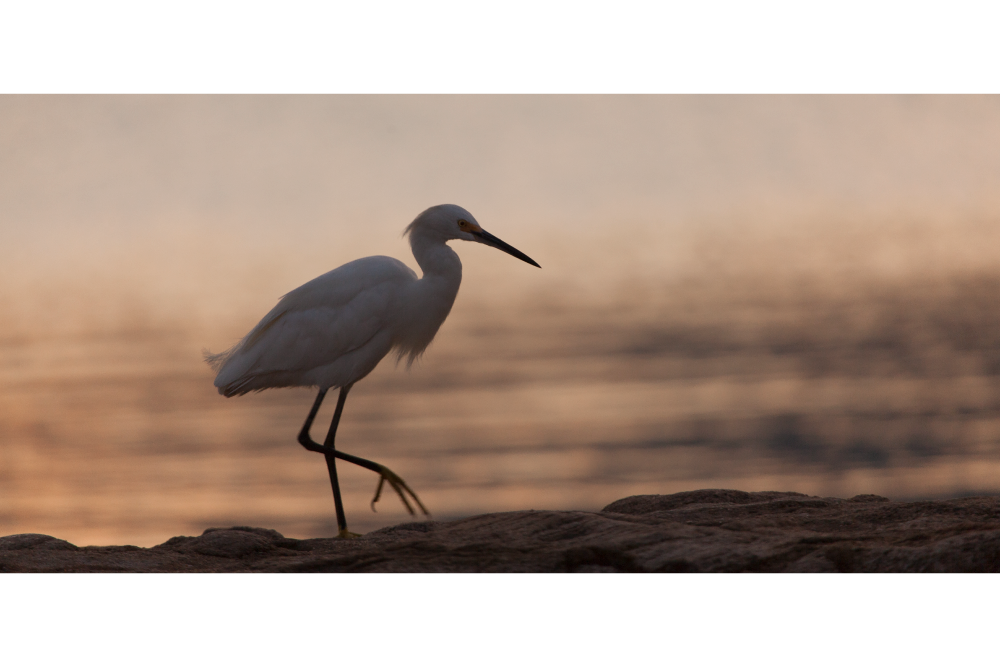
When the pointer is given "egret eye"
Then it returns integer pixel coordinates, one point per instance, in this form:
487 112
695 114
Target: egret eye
463 225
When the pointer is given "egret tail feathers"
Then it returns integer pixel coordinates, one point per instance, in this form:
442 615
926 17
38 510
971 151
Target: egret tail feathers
233 379
216 361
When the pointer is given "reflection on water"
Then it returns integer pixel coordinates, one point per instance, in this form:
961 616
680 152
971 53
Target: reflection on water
892 389
761 293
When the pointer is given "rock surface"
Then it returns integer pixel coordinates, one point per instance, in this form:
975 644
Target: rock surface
696 531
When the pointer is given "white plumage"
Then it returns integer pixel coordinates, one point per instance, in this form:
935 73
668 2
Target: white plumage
333 330
329 332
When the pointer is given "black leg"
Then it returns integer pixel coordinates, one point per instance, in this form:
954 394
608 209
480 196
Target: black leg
331 459
331 454
304 438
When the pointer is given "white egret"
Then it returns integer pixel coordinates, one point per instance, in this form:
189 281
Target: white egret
333 330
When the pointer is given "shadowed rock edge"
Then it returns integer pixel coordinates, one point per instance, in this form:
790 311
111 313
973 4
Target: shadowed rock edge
709 530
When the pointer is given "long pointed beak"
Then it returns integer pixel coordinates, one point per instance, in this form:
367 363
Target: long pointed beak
490 240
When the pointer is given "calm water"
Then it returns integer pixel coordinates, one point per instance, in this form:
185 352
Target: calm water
756 293
111 439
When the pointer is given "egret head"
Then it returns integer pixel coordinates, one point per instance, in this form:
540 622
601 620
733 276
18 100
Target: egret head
448 221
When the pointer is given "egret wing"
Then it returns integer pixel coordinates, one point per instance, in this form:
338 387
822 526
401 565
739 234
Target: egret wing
325 332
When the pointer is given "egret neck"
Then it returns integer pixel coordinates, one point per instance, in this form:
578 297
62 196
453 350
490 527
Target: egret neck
429 300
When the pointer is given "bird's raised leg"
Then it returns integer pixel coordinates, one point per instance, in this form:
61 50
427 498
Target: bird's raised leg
304 439
386 475
331 454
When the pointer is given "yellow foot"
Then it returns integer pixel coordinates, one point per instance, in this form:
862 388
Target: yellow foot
347 535
399 486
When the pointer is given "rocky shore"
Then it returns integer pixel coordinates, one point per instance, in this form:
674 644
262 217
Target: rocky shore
697 531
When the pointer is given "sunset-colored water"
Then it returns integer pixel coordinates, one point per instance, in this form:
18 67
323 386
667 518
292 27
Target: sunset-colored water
762 293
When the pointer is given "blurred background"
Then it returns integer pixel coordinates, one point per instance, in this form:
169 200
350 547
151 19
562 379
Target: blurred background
750 292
